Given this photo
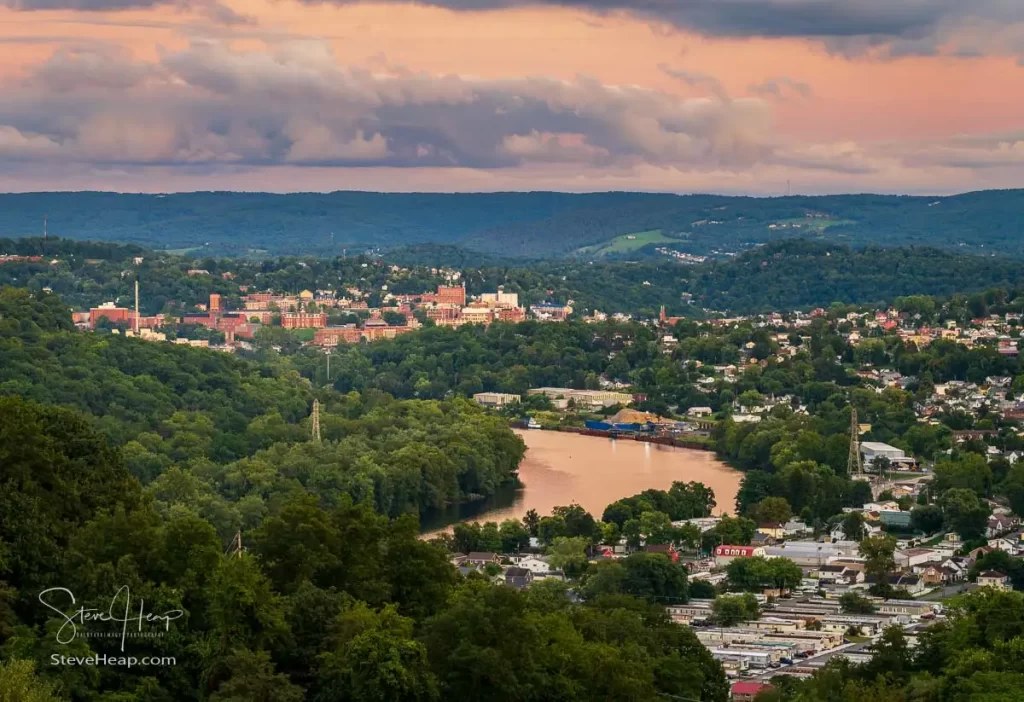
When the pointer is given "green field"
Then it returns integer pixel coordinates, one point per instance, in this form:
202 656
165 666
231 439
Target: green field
628 242
815 225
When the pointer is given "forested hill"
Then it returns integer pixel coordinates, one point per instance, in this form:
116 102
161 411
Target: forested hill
797 274
780 276
531 225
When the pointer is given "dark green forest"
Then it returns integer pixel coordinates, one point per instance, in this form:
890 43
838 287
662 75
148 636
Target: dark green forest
784 275
130 464
530 225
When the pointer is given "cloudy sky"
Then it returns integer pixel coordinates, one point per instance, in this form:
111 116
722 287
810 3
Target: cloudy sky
732 96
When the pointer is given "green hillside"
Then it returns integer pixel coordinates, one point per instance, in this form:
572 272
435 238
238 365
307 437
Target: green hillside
521 225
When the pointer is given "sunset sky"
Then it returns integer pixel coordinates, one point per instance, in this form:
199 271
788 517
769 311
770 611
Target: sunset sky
730 96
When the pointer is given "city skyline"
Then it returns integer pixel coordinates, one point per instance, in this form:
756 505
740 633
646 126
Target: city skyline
738 97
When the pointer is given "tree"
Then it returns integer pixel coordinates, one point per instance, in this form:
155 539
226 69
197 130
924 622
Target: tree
771 510
551 528
964 512
926 518
569 554
971 472
252 679
737 531
19 683
729 610
853 526
514 536
578 521
854 603
531 521
656 527
374 656
877 552
758 573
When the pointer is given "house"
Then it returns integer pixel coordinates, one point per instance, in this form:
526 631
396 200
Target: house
747 690
761 539
908 558
794 527
931 575
837 574
772 529
726 554
519 578
482 558
838 534
667 550
995 579
1006 544
904 581
699 411
1000 524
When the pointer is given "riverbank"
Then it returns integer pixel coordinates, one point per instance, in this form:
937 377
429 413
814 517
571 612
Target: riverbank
562 467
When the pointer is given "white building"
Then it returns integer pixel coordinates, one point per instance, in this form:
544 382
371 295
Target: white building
495 399
875 449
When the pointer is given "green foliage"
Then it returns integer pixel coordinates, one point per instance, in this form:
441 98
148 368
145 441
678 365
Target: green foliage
650 576
877 552
757 574
855 603
729 610
681 501
771 510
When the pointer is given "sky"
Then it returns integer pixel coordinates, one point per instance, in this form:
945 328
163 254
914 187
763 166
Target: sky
756 97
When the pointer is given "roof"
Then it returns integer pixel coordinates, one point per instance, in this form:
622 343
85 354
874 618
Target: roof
878 446
515 572
748 688
481 556
992 574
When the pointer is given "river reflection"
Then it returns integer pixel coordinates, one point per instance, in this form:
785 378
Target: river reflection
562 468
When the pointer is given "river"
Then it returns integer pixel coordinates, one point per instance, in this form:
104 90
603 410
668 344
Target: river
561 468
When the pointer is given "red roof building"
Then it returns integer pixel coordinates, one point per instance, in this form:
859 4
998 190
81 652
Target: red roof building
747 690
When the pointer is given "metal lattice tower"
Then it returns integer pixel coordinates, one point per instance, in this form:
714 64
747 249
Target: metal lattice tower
854 464
236 549
316 420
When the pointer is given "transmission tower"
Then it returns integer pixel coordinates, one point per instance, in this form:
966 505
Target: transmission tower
236 548
316 420
854 464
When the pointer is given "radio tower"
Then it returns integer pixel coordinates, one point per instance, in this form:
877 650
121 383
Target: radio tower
316 420
236 548
854 465
136 307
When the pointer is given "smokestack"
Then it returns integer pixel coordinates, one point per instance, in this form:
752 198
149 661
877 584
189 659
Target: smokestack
136 307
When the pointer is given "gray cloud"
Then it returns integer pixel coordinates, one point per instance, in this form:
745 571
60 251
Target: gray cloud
211 105
879 28
879 19
209 109
781 88
696 80
211 9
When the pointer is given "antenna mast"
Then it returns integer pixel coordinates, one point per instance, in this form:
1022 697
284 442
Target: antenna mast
854 464
236 547
136 307
316 420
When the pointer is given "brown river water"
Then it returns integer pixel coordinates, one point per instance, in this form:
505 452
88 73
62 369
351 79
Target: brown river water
561 468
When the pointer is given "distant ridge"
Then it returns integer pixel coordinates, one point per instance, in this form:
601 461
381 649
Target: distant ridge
525 225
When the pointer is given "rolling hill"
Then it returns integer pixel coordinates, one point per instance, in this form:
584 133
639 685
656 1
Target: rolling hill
523 225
